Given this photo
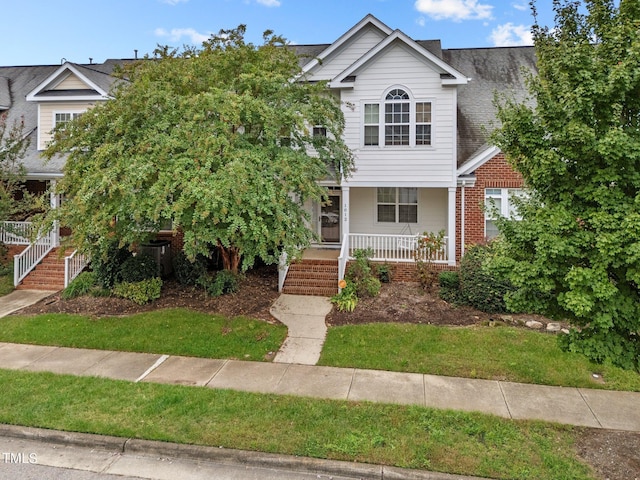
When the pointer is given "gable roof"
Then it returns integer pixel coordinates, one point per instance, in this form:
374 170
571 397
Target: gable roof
98 84
449 75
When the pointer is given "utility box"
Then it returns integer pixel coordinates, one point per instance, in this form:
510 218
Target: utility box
160 250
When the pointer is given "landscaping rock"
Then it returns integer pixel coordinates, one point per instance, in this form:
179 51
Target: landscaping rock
534 324
553 327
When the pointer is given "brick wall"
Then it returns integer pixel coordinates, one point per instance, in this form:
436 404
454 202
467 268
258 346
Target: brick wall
406 271
496 173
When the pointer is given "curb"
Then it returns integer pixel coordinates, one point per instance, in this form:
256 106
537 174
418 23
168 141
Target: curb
224 455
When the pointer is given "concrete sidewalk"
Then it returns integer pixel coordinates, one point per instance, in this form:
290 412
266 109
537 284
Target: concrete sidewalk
574 406
18 299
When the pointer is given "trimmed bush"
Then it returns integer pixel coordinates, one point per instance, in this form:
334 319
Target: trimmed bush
186 271
361 274
224 281
107 268
139 292
83 284
138 268
449 286
478 288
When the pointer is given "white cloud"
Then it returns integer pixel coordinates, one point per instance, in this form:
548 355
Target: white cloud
173 2
521 6
269 3
177 34
508 35
456 10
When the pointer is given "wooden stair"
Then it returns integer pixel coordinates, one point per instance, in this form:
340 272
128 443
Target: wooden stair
312 277
48 274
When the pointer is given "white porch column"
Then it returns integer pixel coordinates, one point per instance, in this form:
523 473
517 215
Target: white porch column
451 226
345 212
54 200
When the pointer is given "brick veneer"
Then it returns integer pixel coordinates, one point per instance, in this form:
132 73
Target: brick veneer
496 173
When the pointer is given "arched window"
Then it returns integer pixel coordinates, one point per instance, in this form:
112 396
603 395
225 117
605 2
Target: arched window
405 122
397 118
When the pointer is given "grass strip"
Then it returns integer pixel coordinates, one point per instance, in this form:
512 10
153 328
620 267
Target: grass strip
404 436
173 331
495 353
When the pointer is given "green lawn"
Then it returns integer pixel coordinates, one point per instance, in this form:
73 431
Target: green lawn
405 436
500 353
173 332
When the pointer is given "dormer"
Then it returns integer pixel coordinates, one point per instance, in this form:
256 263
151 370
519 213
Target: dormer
65 94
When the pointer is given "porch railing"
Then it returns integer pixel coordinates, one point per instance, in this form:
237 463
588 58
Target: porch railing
16 233
73 265
394 248
26 261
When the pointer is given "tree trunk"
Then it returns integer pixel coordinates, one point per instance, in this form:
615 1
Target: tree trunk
230 257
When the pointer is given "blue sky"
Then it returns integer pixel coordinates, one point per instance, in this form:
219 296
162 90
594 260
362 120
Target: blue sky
38 32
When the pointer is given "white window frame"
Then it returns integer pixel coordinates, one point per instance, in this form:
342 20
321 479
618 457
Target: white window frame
397 204
381 124
506 209
72 114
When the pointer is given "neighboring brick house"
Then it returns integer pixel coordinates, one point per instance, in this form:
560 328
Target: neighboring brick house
417 119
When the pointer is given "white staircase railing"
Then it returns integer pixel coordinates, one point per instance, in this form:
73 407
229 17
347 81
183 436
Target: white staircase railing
344 257
73 265
16 233
26 261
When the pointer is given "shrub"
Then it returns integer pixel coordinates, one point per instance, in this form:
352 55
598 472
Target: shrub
384 272
138 268
224 281
139 292
428 246
83 284
449 286
347 299
479 288
107 266
360 273
186 271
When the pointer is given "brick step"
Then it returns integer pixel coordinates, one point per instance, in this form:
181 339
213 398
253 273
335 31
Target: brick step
313 267
312 282
317 292
306 274
28 285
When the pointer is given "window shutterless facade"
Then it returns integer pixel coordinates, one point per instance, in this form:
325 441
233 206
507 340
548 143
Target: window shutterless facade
60 118
405 122
397 205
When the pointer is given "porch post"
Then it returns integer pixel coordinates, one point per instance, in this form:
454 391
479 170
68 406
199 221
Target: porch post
344 230
55 203
451 227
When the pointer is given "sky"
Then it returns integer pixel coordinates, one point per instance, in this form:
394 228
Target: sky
46 32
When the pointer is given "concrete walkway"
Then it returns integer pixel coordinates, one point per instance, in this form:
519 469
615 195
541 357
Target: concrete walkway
21 298
574 406
304 317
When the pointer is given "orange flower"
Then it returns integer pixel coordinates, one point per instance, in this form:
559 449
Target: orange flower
342 283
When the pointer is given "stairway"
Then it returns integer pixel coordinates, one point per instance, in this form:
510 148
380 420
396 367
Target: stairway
312 277
48 274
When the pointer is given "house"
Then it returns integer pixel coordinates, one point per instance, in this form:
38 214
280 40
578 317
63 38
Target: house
417 119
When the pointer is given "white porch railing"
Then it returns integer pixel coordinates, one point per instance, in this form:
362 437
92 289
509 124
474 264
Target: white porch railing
393 248
16 233
73 265
32 255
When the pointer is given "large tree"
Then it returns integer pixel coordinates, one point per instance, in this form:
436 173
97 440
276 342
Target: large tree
217 139
576 253
13 143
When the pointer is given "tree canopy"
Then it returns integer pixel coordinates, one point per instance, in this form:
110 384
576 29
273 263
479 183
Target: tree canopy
217 139
13 144
576 253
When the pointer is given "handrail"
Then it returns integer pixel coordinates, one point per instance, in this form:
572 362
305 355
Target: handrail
343 258
27 260
73 265
283 269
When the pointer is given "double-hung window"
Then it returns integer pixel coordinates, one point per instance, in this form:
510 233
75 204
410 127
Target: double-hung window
404 121
499 202
62 118
397 205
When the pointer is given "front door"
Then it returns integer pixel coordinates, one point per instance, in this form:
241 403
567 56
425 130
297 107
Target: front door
330 218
